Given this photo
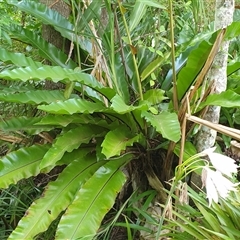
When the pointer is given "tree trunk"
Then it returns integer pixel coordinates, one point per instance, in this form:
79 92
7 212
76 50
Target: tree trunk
54 37
218 75
48 32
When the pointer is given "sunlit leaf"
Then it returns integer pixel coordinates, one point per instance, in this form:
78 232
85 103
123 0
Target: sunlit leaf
165 123
93 201
232 68
72 106
153 65
20 164
225 99
64 120
53 18
56 198
117 140
23 123
195 62
121 107
232 31
34 97
154 96
137 14
46 50
139 10
56 74
68 142
18 59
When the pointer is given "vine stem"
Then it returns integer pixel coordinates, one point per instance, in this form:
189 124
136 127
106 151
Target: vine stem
175 98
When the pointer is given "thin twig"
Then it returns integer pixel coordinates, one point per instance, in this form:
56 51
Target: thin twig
231 132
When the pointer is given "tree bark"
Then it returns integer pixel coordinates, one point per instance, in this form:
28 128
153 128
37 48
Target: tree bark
54 37
206 137
217 74
48 32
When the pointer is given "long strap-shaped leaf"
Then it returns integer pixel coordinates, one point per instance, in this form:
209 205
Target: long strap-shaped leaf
68 142
34 97
46 50
56 74
16 88
53 18
18 59
139 11
72 106
56 198
89 14
227 99
93 201
23 123
64 120
20 164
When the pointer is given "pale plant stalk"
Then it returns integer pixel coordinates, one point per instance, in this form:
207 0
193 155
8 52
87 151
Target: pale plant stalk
181 172
213 179
133 55
100 63
175 101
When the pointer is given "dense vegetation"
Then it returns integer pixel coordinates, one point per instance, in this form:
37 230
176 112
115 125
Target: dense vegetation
101 103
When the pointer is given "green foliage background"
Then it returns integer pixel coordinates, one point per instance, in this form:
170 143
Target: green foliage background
98 123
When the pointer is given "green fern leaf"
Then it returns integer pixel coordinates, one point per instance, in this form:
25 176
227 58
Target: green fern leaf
20 164
56 74
226 99
34 97
18 59
79 153
23 123
89 14
72 106
64 120
5 36
55 19
56 198
93 201
16 89
117 141
46 50
154 96
68 142
165 123
121 107
137 14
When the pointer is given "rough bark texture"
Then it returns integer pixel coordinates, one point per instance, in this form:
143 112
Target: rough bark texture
54 37
218 75
48 32
223 17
